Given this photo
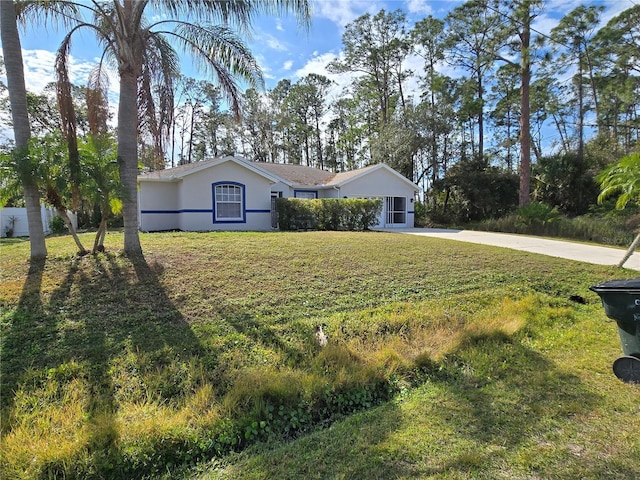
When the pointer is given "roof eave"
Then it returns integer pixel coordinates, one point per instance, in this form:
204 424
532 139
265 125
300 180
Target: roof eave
172 179
198 168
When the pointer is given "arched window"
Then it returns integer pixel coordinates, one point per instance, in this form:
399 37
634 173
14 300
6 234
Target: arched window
228 202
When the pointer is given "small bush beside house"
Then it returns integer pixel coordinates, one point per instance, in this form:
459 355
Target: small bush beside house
328 213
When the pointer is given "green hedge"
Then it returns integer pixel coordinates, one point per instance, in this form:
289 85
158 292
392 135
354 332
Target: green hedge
327 213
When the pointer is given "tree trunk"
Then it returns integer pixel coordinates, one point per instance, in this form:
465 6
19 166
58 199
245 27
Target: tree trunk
632 248
480 118
580 111
191 128
525 108
594 90
128 160
62 213
98 243
55 200
19 115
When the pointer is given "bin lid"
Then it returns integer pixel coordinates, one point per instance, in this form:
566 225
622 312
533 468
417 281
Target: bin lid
630 285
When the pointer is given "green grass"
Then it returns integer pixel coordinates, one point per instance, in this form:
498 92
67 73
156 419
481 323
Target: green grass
463 361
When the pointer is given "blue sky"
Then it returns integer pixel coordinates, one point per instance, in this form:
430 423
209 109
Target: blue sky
281 47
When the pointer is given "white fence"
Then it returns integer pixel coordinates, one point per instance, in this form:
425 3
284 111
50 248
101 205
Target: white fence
15 220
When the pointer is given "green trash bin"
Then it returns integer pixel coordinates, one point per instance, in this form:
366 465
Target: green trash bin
621 302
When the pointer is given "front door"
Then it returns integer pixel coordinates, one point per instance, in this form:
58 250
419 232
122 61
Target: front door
274 212
395 211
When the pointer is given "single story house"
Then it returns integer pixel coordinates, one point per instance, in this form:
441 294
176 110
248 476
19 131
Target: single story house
232 193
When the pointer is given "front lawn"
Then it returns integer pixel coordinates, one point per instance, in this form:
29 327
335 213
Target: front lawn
444 359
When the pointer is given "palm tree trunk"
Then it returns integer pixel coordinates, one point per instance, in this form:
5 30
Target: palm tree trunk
18 99
632 248
128 160
98 243
34 218
62 213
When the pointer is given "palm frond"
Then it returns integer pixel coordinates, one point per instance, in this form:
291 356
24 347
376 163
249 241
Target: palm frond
97 101
68 115
237 13
221 53
12 171
160 68
45 12
622 179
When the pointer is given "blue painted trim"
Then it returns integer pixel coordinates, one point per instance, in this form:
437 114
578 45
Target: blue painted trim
145 212
295 192
184 210
244 211
194 210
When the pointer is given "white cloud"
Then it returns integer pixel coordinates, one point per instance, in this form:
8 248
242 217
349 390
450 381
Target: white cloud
264 68
271 42
275 44
279 26
554 10
613 9
544 24
39 70
287 65
421 7
318 65
343 12
411 86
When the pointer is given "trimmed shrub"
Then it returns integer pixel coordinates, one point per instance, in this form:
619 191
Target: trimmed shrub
327 213
57 225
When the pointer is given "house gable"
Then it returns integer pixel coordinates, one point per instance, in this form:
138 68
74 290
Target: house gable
182 171
224 194
342 179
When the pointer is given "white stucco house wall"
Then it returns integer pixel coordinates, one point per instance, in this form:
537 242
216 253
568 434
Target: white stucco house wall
232 193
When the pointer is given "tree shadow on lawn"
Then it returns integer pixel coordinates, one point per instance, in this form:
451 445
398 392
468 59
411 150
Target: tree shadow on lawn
505 402
478 415
283 339
103 305
498 395
28 334
109 315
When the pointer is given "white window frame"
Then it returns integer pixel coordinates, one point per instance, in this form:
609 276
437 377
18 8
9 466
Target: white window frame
228 193
306 194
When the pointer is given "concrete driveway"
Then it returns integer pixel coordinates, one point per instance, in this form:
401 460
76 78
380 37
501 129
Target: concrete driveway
554 248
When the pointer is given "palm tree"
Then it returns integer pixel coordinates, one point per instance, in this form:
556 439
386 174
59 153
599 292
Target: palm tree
50 169
102 186
21 130
622 179
144 55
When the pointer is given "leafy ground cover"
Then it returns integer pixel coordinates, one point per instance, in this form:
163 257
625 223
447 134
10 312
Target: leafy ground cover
463 361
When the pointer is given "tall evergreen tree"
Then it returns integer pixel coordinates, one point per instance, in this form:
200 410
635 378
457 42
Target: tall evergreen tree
375 48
